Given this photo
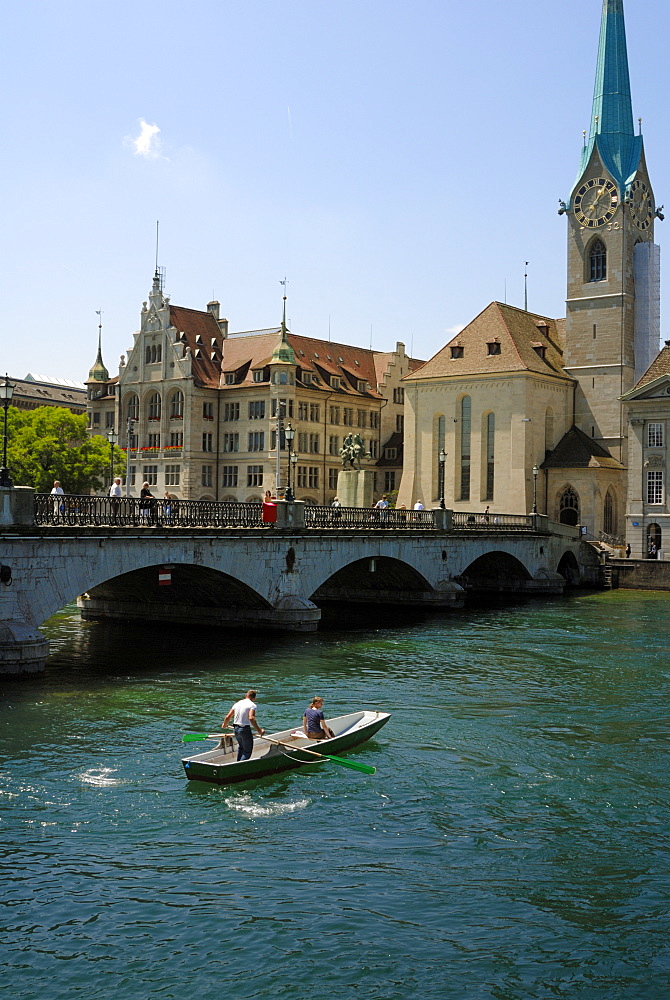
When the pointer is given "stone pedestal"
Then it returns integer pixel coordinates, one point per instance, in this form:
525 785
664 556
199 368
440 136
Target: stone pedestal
355 488
17 505
23 650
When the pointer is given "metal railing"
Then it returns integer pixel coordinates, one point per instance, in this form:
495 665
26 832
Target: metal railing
124 512
364 517
493 522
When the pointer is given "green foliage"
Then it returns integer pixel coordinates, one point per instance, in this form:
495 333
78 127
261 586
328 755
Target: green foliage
52 443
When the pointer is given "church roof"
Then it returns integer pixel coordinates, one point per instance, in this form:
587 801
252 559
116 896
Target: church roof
576 450
527 342
659 367
611 131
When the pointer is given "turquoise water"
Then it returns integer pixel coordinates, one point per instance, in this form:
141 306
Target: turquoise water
512 844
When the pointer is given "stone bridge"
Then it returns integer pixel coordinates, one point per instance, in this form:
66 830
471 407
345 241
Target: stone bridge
266 575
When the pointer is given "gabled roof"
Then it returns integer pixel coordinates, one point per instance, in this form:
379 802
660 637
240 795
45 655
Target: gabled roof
194 323
656 374
576 450
516 331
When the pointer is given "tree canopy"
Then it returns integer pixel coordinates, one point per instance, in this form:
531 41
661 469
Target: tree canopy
52 443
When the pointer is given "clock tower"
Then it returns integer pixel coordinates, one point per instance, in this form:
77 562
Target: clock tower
613 295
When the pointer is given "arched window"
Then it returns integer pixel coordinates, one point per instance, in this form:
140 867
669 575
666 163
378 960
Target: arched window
597 261
653 540
490 454
609 513
177 405
154 407
132 407
466 411
549 429
568 507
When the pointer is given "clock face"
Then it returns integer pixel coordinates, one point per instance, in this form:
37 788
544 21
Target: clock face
641 208
596 202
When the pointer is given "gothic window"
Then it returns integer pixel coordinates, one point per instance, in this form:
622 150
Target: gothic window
597 261
609 513
569 507
177 405
465 447
490 454
154 408
133 407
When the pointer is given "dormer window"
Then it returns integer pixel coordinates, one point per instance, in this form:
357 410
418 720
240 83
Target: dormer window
390 453
335 382
457 351
258 375
306 378
540 350
493 347
230 378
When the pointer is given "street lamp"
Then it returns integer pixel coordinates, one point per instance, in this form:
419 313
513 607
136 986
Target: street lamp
289 434
112 437
535 472
294 462
6 393
129 444
443 459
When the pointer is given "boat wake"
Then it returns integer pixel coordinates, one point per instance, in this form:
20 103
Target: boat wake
99 776
245 804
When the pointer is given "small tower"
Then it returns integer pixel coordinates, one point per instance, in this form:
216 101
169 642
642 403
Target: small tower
98 372
613 312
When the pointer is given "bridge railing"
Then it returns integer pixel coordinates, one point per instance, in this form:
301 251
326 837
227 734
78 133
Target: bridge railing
493 522
364 517
123 512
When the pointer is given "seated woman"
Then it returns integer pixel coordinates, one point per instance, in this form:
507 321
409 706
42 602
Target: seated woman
314 723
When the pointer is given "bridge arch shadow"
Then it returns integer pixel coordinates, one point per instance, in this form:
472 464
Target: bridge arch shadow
379 580
195 594
568 568
496 573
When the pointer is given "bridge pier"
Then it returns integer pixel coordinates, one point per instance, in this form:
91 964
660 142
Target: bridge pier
290 614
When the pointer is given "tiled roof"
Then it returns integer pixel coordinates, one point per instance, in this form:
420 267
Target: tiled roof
576 450
194 324
45 395
517 332
660 366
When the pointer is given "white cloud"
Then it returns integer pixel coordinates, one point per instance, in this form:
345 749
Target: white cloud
147 143
455 329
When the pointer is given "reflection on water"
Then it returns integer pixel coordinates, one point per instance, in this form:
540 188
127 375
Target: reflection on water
513 842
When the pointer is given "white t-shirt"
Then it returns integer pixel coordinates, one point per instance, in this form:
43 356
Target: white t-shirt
115 490
241 709
382 503
57 491
419 506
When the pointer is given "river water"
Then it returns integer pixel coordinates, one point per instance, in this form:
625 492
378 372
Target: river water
514 842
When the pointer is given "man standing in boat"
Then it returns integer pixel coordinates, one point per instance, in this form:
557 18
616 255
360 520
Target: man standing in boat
243 714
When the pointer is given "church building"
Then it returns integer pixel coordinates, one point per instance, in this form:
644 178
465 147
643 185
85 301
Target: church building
522 412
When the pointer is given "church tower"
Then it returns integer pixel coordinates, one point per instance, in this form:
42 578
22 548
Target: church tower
613 294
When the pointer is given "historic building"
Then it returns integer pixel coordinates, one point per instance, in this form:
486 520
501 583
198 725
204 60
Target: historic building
648 407
198 408
34 391
525 411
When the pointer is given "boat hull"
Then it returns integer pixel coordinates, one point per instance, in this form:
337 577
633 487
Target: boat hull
220 767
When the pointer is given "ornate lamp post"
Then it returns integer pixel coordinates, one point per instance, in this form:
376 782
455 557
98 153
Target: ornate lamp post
535 472
443 459
6 393
289 434
112 437
294 462
129 443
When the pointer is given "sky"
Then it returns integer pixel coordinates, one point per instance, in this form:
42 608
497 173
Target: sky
397 162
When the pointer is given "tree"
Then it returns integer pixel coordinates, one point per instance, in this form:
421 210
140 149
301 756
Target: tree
52 443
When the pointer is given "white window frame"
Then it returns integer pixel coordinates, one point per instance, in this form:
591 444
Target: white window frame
655 487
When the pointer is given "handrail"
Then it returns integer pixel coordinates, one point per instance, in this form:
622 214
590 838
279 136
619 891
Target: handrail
85 511
364 517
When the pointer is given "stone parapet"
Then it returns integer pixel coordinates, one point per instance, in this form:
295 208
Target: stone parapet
17 505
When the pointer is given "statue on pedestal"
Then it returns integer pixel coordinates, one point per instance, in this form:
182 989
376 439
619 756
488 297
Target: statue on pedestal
352 451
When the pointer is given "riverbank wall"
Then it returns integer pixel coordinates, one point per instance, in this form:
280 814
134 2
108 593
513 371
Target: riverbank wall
640 574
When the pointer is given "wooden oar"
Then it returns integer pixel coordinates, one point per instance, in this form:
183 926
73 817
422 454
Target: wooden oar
353 764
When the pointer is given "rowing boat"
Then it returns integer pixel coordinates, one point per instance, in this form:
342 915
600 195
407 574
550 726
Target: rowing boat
280 751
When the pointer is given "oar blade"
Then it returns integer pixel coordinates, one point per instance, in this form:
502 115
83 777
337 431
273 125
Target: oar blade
190 737
353 764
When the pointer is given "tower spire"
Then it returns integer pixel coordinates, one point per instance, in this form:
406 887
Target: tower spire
98 372
611 131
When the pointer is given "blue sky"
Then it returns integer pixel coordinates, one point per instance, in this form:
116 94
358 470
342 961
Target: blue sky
397 161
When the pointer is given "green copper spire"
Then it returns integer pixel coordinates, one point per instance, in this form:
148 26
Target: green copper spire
98 372
283 352
611 130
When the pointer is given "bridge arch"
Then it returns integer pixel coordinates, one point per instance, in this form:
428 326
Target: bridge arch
496 572
373 579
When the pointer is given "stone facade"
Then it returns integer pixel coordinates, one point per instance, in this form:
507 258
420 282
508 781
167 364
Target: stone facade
196 407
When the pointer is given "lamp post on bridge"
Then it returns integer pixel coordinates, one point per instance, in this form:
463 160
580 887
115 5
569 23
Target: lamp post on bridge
6 393
294 462
535 472
289 434
443 459
112 437
129 443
